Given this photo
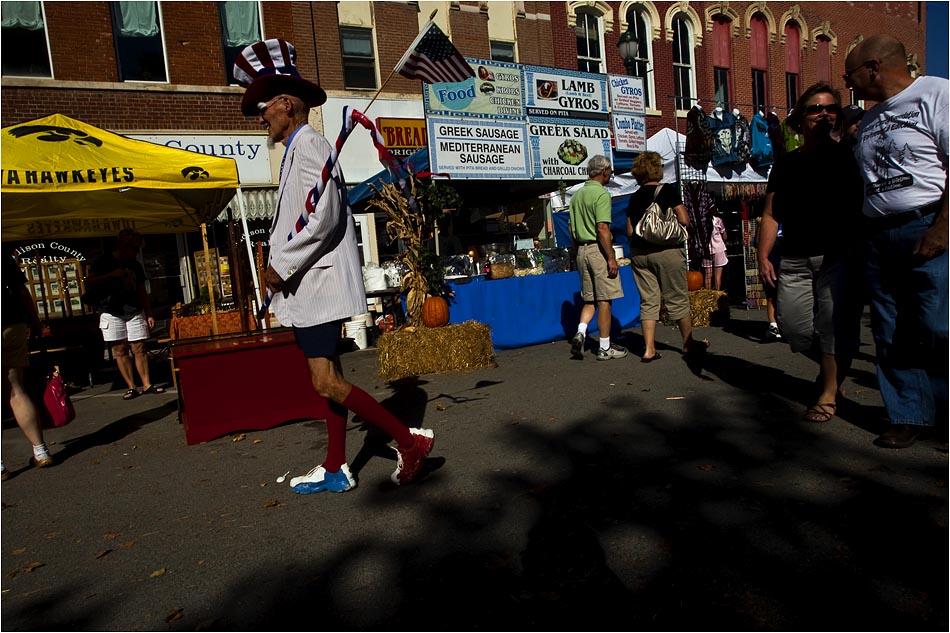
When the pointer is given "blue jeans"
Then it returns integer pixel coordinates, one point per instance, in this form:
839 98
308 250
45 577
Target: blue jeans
908 296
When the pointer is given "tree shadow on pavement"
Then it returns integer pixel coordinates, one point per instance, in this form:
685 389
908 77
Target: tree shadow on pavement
697 517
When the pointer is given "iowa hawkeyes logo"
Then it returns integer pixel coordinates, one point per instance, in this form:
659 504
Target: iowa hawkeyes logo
195 173
55 134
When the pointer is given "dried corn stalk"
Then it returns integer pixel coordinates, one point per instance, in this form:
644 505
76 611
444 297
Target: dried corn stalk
408 226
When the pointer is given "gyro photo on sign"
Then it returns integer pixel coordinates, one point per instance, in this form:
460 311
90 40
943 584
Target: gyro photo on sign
487 89
546 89
485 75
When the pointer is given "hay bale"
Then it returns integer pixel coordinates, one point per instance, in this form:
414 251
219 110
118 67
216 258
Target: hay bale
706 307
413 352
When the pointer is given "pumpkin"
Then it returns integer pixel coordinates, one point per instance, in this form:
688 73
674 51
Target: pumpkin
694 280
435 312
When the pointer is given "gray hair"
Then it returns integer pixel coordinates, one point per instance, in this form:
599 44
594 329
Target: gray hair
597 164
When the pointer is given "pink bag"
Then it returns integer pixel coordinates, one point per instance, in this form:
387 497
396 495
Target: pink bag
58 404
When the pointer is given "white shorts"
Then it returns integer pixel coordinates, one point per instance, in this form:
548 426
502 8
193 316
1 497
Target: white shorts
133 328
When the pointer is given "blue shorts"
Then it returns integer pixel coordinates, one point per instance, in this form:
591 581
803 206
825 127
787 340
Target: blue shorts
319 341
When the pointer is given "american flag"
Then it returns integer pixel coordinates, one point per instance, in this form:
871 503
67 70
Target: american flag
432 58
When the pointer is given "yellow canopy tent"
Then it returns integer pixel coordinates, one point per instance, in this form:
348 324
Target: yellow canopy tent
64 178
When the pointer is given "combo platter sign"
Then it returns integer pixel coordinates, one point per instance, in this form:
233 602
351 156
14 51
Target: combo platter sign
554 93
561 151
477 148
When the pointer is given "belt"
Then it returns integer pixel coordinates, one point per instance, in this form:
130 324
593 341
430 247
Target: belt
894 220
586 242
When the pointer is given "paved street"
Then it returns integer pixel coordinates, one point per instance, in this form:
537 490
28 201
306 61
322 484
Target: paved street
563 495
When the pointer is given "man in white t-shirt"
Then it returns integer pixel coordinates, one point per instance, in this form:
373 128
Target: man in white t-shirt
902 150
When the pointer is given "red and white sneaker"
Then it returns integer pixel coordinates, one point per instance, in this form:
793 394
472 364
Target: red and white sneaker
409 461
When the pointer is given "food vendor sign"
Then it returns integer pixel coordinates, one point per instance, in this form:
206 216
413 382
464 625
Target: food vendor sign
496 92
469 148
562 151
627 117
565 94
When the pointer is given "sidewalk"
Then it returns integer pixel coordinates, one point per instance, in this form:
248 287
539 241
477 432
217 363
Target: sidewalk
563 495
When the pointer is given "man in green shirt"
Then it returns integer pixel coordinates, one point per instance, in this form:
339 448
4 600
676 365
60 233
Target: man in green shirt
600 282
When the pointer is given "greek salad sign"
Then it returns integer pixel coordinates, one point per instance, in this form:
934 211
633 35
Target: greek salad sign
563 94
477 149
496 92
561 151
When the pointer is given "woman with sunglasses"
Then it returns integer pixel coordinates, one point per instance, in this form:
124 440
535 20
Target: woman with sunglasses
814 192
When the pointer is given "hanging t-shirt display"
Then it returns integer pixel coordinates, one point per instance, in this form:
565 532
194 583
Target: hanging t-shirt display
743 141
762 155
699 139
722 124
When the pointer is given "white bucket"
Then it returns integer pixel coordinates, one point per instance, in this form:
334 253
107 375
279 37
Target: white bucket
356 330
366 318
618 251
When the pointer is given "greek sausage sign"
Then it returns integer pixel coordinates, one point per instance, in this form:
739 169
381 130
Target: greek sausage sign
467 148
563 94
562 151
496 92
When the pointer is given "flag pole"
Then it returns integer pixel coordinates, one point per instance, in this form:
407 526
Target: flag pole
393 71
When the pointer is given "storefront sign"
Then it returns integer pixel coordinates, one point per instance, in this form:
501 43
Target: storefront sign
496 92
402 136
60 252
630 132
565 94
249 151
468 148
626 94
561 151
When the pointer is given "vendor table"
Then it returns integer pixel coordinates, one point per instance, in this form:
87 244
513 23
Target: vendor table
241 383
537 308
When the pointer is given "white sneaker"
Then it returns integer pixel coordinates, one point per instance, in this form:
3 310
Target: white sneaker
319 480
611 352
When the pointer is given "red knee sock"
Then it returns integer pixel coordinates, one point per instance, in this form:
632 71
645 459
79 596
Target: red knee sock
365 406
336 436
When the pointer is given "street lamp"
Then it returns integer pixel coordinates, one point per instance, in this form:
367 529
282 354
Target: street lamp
629 51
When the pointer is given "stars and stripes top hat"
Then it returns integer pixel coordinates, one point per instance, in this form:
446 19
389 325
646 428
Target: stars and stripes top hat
267 69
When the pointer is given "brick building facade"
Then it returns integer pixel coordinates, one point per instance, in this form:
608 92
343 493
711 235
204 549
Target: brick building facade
825 33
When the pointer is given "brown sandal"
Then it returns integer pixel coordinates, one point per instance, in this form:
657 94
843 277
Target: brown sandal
821 412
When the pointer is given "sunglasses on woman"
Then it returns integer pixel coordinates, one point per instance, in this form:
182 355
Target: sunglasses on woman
815 108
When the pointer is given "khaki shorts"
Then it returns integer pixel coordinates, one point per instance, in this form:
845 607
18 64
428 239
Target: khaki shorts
595 284
661 278
16 352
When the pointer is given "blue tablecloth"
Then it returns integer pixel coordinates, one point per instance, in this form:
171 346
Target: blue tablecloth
536 309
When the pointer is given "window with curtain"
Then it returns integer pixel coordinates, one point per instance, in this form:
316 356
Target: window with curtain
793 63
823 59
240 27
759 58
638 24
722 60
683 82
139 42
25 50
359 60
589 44
502 51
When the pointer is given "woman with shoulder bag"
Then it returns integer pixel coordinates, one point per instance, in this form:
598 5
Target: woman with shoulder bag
660 270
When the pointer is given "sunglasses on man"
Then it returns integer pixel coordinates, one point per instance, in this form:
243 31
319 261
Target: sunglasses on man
815 108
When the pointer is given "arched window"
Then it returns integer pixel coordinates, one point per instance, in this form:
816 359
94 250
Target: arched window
684 79
823 58
759 58
590 41
793 63
722 59
638 25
